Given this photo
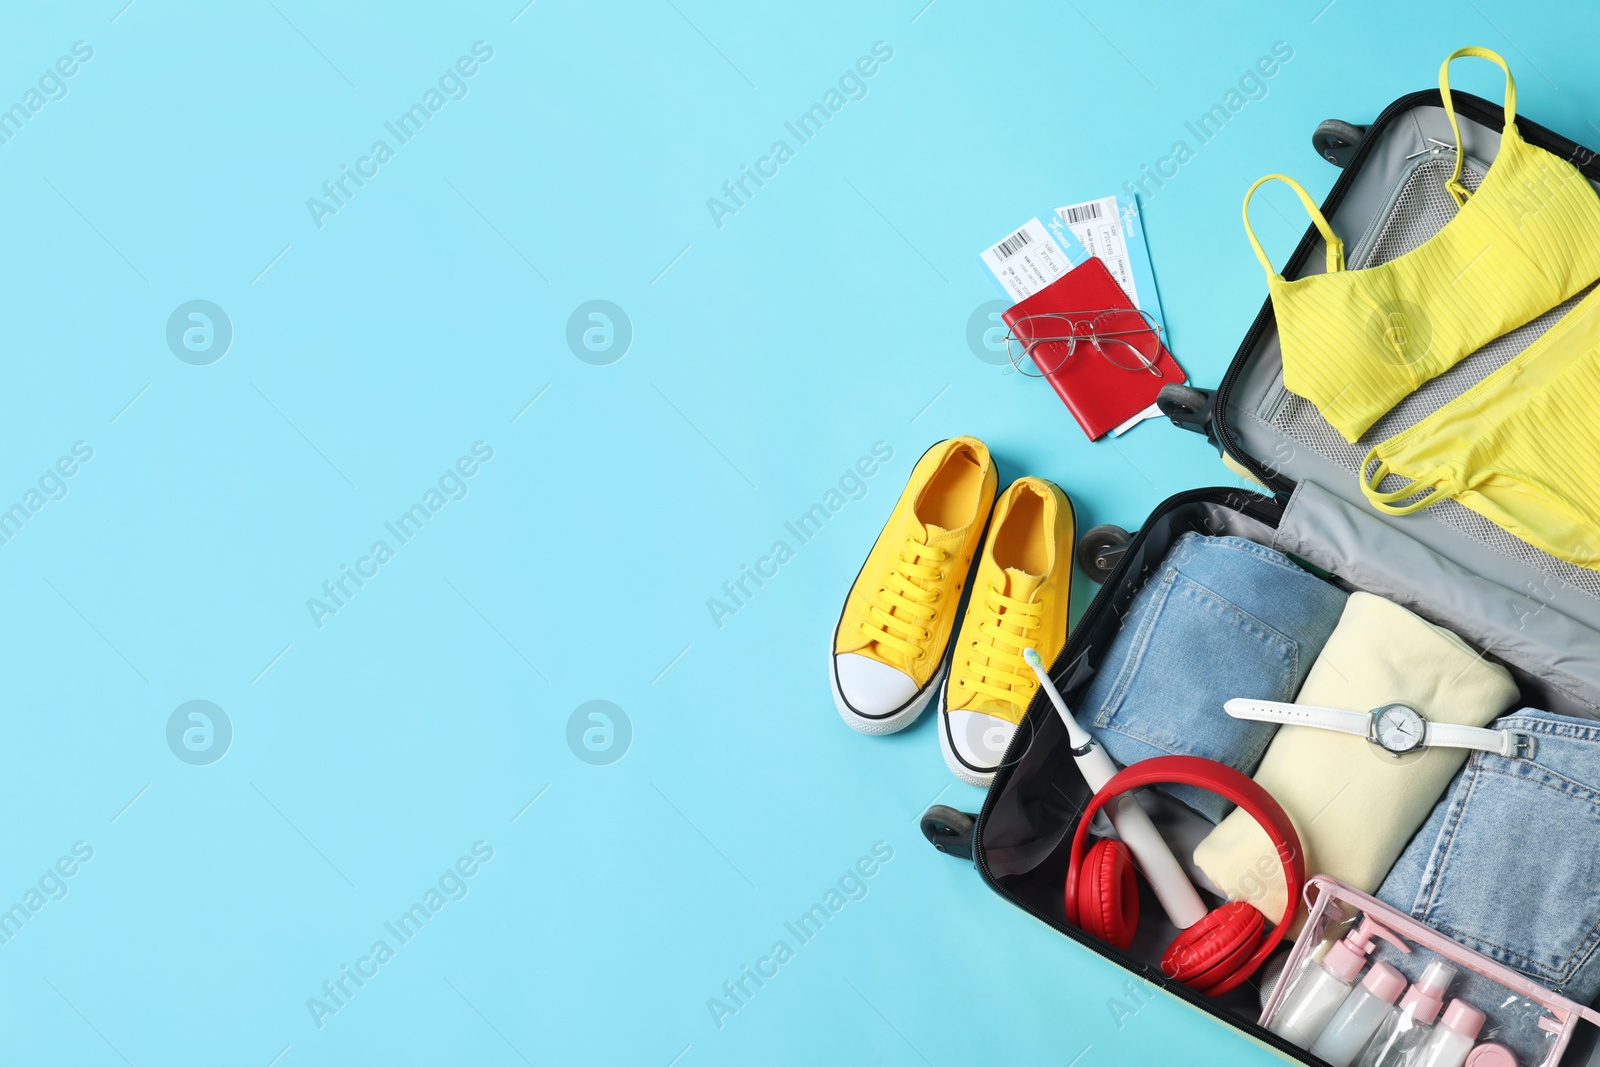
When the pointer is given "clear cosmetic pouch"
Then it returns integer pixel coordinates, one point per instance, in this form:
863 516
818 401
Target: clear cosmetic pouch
1530 1020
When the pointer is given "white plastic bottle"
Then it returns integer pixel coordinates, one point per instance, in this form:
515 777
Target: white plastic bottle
1359 1017
1322 986
1407 1025
1452 1039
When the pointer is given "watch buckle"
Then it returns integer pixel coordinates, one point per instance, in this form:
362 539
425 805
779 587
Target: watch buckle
1523 746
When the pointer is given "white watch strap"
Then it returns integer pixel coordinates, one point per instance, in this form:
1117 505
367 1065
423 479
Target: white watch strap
1509 743
1512 744
1340 719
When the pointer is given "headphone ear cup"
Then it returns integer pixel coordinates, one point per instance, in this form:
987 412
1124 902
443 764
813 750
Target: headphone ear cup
1108 894
1211 950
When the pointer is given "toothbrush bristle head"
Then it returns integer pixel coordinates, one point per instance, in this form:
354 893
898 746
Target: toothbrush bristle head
1032 657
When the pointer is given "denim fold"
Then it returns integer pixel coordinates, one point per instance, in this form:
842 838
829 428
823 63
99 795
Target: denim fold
1508 863
1221 617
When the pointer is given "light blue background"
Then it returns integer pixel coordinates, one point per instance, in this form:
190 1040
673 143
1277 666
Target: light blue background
828 314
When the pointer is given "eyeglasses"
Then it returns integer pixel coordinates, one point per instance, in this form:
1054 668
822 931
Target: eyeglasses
1129 339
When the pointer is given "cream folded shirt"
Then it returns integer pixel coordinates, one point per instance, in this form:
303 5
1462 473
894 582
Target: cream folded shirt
1354 805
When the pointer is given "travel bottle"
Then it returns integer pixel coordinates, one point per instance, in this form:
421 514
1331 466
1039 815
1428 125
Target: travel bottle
1408 1024
1452 1039
1271 974
1322 986
1491 1054
1359 1017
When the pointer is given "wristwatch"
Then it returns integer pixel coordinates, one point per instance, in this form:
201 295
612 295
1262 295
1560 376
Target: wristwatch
1395 728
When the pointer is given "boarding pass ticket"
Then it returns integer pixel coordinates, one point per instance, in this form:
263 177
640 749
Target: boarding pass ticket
1046 247
1110 229
1097 224
1032 257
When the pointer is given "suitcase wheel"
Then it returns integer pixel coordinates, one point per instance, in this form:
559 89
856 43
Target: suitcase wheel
1336 141
1100 550
949 830
1188 408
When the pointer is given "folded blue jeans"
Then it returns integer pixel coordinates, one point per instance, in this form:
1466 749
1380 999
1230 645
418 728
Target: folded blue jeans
1509 861
1222 617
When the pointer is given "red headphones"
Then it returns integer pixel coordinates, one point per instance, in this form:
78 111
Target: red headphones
1220 951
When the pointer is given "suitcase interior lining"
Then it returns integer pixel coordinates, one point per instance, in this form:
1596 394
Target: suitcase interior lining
1420 210
1392 202
1027 833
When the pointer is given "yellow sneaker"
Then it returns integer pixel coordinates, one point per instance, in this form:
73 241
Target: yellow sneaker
1020 595
889 646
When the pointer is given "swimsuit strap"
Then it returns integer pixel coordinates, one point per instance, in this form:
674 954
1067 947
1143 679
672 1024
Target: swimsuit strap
1335 246
1388 502
1453 186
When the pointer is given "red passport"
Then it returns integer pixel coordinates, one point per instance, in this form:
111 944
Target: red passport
1100 394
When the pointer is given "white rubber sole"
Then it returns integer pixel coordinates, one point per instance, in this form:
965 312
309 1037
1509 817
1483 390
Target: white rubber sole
889 724
951 760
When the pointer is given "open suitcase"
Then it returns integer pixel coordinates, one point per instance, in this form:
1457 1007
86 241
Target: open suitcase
1536 614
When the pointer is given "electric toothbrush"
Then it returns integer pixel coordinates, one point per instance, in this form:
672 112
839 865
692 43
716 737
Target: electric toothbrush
1171 885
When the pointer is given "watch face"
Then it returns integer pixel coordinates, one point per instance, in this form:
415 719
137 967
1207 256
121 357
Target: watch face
1398 728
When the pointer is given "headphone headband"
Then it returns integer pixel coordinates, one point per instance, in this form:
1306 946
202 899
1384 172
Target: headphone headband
1228 783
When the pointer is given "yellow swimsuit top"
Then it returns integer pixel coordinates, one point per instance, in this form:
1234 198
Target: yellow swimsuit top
1356 342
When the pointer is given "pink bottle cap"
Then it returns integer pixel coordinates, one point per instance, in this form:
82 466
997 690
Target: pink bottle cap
1346 958
1462 1018
1384 982
1426 995
1423 1007
1491 1055
1343 961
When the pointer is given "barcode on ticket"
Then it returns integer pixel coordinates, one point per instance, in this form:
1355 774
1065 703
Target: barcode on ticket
1083 212
1013 244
